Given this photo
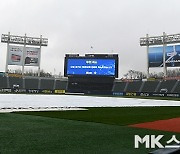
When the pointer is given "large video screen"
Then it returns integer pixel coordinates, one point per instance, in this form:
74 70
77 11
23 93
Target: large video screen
91 67
172 56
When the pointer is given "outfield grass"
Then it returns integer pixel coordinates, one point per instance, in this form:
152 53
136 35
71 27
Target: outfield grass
114 115
98 130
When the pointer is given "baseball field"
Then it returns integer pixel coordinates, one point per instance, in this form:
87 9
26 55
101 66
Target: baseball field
96 130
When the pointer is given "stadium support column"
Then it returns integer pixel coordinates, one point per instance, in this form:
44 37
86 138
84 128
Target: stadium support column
164 55
39 69
147 49
23 57
7 56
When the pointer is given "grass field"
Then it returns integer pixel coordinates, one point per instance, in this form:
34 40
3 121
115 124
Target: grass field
97 130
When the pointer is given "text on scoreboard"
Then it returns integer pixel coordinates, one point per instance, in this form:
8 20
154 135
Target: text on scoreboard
99 67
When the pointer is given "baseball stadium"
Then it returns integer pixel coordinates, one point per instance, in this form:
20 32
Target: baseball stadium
89 110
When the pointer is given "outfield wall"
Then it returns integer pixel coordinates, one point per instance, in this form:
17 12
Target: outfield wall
32 91
146 94
120 94
168 86
33 83
59 86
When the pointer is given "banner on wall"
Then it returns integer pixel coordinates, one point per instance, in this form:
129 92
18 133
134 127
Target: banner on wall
15 55
172 56
32 56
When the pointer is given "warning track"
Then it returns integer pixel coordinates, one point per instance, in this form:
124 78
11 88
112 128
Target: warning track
172 125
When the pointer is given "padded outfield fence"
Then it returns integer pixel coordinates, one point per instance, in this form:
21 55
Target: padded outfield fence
32 91
165 88
63 91
33 83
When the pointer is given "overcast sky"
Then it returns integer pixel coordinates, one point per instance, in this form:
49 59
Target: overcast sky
73 26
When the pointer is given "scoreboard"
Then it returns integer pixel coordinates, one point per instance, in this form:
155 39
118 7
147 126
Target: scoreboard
91 65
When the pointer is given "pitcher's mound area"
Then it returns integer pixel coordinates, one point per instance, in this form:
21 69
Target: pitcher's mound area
172 125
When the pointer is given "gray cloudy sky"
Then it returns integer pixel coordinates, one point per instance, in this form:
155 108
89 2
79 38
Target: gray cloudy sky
73 26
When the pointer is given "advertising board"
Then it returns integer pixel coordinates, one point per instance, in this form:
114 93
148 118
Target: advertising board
15 55
172 56
32 56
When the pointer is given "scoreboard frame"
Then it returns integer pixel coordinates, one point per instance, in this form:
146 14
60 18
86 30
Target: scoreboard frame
91 56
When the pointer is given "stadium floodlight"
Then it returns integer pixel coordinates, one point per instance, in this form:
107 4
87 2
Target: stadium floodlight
160 40
13 39
23 40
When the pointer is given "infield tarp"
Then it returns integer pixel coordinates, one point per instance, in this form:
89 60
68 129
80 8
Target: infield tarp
24 100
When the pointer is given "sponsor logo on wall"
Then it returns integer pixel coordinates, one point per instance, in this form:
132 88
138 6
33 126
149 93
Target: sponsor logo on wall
131 94
118 93
47 91
144 94
59 91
